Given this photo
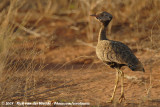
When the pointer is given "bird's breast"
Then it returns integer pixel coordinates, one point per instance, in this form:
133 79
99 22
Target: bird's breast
101 50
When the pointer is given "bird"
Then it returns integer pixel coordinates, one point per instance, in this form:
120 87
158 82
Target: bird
114 53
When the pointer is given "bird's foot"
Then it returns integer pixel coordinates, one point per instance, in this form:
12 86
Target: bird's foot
110 101
121 98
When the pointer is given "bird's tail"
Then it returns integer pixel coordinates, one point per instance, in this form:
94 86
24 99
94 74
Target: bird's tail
137 67
144 70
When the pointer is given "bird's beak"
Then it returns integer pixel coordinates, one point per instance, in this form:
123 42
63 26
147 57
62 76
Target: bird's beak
94 15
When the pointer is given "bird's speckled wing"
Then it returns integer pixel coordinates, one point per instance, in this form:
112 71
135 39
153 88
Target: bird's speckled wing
114 51
121 53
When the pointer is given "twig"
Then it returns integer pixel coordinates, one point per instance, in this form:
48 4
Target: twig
84 43
27 30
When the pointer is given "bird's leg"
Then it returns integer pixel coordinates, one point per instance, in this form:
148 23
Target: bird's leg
122 90
115 87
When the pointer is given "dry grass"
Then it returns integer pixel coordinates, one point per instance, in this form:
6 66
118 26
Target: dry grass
24 22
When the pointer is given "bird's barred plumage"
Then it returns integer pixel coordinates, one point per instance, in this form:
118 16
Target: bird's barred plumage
117 54
114 53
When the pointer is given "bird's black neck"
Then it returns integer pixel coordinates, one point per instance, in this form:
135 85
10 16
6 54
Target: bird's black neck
102 34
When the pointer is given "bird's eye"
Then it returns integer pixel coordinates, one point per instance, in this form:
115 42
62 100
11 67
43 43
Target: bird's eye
104 14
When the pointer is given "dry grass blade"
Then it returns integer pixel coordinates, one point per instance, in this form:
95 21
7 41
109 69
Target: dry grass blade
27 30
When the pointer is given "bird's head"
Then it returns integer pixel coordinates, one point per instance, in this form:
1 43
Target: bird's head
103 17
